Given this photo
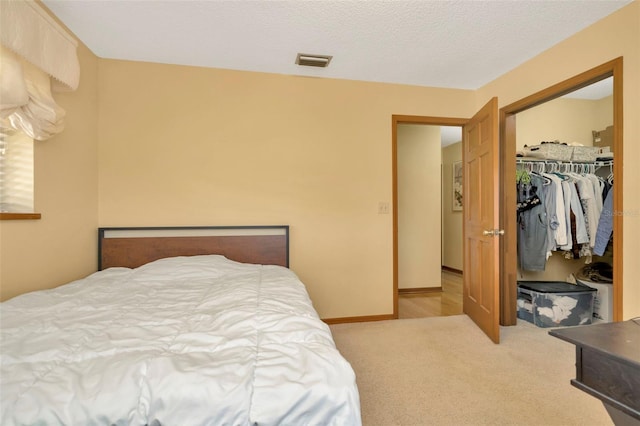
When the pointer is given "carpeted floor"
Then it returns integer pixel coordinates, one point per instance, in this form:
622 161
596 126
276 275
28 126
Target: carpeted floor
445 371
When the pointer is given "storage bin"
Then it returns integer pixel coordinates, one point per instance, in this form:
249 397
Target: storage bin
550 151
603 301
585 153
555 303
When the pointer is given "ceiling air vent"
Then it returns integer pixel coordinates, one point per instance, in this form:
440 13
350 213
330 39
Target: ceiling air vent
321 61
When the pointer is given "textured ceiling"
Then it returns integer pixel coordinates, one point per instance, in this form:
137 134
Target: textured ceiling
446 43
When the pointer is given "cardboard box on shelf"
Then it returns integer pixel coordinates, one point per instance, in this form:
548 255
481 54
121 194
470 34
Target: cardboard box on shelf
602 138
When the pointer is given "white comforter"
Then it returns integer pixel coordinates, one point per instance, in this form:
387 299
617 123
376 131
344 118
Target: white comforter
180 341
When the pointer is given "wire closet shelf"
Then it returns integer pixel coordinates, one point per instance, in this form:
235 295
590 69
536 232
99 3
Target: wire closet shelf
555 166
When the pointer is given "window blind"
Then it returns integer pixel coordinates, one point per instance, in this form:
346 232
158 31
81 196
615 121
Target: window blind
16 172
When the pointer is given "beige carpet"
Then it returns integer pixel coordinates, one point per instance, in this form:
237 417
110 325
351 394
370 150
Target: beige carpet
445 371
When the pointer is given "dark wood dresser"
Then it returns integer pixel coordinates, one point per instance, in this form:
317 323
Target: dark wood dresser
608 366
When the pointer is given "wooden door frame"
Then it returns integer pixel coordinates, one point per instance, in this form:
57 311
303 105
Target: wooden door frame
508 312
395 121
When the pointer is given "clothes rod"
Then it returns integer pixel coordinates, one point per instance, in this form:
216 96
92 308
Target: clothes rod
601 163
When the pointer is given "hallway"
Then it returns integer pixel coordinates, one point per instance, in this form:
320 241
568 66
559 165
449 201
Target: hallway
434 304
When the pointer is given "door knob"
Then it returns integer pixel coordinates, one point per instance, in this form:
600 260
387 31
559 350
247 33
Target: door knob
493 232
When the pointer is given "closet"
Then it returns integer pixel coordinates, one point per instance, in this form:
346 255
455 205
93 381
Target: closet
565 209
564 195
512 139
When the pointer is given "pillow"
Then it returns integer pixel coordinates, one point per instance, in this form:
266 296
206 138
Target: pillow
189 267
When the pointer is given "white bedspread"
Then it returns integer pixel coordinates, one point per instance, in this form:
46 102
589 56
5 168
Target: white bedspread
180 341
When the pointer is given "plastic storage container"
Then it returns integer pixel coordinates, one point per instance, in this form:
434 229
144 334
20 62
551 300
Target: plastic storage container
585 153
603 301
555 303
550 151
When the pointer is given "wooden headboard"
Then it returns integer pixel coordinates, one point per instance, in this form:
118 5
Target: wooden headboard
133 247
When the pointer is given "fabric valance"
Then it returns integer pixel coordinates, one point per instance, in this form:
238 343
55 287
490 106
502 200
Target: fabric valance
26 29
26 103
33 48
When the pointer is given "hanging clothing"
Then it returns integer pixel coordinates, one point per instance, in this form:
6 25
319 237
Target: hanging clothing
560 211
587 198
549 203
532 225
605 226
573 205
560 231
597 191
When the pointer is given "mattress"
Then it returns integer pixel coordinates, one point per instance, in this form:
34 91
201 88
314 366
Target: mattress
187 340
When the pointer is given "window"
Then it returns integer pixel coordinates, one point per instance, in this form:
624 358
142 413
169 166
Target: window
16 173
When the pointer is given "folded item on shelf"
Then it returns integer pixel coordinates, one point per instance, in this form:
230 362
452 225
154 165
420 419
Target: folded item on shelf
598 272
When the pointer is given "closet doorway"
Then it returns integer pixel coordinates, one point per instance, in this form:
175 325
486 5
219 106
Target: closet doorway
509 143
419 251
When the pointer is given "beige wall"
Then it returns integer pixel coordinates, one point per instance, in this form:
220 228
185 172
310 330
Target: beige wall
614 36
419 214
60 247
604 113
193 146
451 220
566 120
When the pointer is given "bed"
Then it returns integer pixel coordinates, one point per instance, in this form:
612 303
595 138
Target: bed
180 326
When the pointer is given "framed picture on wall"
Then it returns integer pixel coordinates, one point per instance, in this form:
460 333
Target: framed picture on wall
457 186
